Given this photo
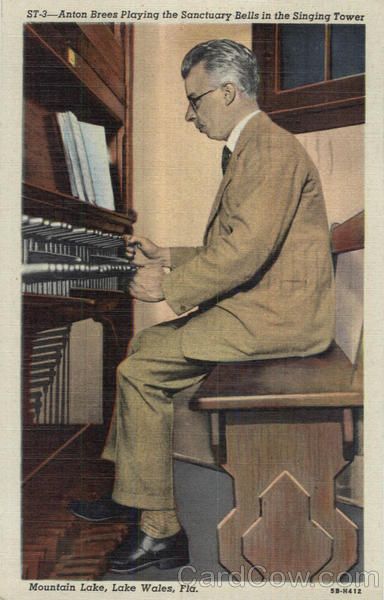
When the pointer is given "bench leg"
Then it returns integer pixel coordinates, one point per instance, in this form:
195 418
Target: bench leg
285 521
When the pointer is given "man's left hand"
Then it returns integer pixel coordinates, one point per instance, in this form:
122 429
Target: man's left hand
146 284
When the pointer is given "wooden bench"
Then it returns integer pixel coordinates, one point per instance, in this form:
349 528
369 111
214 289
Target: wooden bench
288 426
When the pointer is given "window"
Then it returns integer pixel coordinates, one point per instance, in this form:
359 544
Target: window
312 76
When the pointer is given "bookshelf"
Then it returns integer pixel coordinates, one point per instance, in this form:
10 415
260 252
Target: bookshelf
85 69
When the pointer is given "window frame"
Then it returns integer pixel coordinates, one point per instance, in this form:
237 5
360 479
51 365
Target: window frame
324 105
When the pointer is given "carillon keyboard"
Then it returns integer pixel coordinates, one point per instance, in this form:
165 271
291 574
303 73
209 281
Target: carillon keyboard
58 256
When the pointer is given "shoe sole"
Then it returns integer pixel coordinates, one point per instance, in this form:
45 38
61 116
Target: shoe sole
165 563
117 518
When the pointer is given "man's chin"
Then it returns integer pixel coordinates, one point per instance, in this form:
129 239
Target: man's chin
209 135
214 137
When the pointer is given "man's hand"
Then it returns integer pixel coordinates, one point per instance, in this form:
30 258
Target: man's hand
146 284
145 253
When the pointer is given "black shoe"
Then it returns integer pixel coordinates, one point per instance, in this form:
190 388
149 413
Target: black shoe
140 550
103 509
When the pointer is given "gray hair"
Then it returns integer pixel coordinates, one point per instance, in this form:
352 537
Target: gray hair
228 61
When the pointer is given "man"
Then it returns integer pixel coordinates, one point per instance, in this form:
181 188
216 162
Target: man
262 282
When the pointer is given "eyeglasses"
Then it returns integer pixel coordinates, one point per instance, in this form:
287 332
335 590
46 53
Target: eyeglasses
193 101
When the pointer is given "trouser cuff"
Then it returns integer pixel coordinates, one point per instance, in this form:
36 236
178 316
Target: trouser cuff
143 501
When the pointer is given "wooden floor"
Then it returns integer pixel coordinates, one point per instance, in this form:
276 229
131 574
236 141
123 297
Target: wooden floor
55 543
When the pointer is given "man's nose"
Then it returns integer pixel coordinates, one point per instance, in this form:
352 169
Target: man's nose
190 115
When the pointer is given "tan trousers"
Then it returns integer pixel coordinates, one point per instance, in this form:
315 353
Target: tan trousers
140 437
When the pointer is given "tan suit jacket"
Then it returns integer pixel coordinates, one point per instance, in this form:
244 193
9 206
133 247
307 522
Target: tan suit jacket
263 278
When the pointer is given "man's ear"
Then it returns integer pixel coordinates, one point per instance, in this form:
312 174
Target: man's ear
229 91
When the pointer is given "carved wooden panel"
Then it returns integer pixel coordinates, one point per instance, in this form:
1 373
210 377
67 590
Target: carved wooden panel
284 534
284 464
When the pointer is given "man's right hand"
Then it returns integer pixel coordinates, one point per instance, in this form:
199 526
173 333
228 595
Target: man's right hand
144 252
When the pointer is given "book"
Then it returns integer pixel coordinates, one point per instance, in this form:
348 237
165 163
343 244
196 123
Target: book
71 156
82 157
98 157
87 157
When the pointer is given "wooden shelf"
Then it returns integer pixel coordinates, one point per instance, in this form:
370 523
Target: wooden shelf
38 201
101 51
83 69
64 64
43 312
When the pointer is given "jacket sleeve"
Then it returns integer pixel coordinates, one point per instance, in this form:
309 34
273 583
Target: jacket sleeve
182 254
262 199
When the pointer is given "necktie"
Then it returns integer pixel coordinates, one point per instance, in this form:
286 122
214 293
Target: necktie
225 158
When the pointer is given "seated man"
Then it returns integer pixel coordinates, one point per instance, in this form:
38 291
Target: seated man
262 282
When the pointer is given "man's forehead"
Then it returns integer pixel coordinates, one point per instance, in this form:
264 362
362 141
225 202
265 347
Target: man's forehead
197 80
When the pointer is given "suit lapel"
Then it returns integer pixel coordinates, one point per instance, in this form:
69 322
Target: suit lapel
251 129
216 204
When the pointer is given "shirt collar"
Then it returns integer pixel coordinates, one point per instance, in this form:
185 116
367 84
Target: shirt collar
236 131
